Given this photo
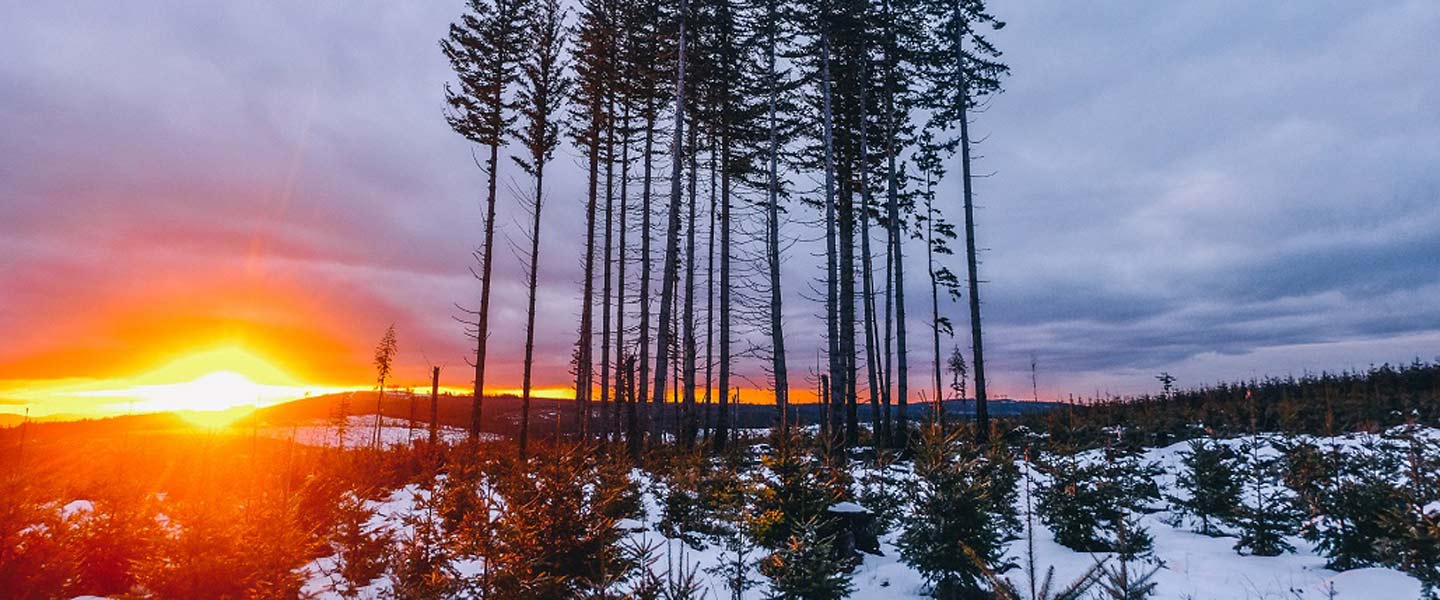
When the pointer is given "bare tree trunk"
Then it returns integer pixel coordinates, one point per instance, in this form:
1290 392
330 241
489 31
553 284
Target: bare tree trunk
620 358
722 433
530 310
977 351
584 371
645 276
691 416
934 292
482 327
379 415
832 300
410 422
605 293
772 213
847 310
902 374
434 406
888 422
866 270
633 438
710 294
672 241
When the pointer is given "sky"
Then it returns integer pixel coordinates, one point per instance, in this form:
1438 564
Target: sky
1220 190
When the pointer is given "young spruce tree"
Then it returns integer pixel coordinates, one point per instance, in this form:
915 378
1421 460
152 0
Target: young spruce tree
955 532
1210 479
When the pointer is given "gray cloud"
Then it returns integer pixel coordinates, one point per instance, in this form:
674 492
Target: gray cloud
1173 183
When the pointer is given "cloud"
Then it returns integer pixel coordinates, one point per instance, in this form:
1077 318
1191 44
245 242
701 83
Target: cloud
1173 186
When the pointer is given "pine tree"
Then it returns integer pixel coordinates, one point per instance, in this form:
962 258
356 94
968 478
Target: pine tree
1124 578
805 567
359 547
881 492
1209 477
999 468
772 34
1414 526
670 270
1352 505
682 512
595 35
557 535
937 235
955 525
542 91
645 61
384 361
1267 513
904 59
797 491
956 365
1040 589
420 566
1085 503
484 51
973 73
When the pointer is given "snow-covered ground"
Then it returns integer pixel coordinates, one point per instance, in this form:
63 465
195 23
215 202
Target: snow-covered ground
1193 566
359 431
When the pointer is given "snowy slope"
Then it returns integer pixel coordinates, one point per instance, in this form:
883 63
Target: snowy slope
1194 566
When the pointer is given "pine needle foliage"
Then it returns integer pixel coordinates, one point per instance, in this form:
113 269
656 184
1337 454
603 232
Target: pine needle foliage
954 528
1208 475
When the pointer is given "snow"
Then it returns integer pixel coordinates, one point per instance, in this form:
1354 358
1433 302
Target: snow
360 429
1193 566
846 507
77 507
1372 583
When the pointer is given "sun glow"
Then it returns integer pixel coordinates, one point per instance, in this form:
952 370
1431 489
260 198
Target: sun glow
211 387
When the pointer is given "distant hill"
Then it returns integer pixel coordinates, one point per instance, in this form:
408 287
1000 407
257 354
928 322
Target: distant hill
12 420
502 413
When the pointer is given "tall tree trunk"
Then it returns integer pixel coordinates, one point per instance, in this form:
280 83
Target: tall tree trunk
584 371
934 295
482 326
977 350
525 378
772 255
710 293
379 415
605 293
887 422
633 439
892 212
620 357
901 434
866 268
691 416
836 389
868 318
847 295
434 405
722 432
646 212
672 241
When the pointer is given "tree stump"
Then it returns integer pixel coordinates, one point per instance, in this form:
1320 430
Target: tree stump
855 530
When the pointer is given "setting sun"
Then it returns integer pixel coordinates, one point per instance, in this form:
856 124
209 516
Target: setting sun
211 387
